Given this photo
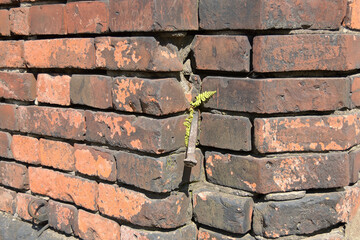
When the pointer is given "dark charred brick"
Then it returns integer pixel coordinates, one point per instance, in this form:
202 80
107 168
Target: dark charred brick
352 19
8 117
155 97
19 21
5 143
304 216
135 207
233 213
62 217
307 133
156 174
136 54
277 95
138 133
56 122
205 234
14 175
7 200
13 57
188 232
222 53
354 165
271 14
306 52
278 174
47 19
222 131
19 86
91 90
152 15
4 23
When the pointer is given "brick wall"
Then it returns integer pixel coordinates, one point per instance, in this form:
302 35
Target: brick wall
94 94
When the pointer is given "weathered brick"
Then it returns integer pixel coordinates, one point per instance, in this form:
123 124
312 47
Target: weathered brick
278 174
222 53
4 22
19 86
350 203
86 17
355 90
205 234
352 19
135 207
155 97
354 165
221 131
8 116
93 226
7 1
156 174
95 162
152 15
187 232
47 19
64 187
56 154
277 95
5 142
233 213
337 52
136 54
7 200
22 203
20 21
271 14
56 122
53 89
313 133
60 53
14 175
128 131
329 236
13 57
25 149
62 217
91 90
303 216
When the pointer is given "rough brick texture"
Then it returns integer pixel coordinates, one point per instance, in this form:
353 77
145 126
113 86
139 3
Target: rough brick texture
56 154
53 89
4 23
5 141
25 149
19 21
19 86
205 234
7 200
352 19
13 57
47 19
62 217
8 117
14 175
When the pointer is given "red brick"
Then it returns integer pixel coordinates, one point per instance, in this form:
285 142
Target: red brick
91 90
25 149
161 174
20 21
18 86
14 175
277 95
60 53
338 52
352 19
13 57
93 226
4 23
271 14
64 187
7 200
7 1
149 96
47 19
313 133
152 15
86 17
56 122
8 116
222 53
222 131
138 133
355 90
350 203
63 217
136 54
5 141
354 165
95 162
205 234
188 232
22 203
56 154
135 207
53 89
233 213
278 174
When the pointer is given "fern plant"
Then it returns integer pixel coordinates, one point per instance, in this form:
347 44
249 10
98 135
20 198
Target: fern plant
201 98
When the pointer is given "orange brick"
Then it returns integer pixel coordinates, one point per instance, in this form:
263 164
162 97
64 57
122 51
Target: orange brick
57 154
352 19
25 149
13 57
53 89
19 21
4 23
8 117
7 200
22 202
